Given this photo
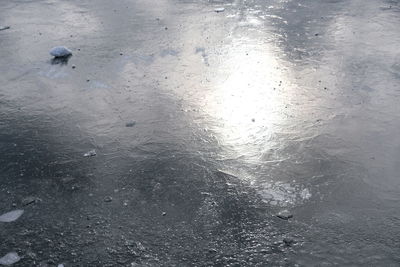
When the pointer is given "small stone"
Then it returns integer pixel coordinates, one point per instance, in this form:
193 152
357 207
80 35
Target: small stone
4 28
68 179
108 199
73 66
130 124
219 9
121 54
60 51
284 215
90 153
164 213
288 241
29 200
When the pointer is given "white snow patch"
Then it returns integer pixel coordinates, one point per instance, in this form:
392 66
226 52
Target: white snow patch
283 194
11 216
10 258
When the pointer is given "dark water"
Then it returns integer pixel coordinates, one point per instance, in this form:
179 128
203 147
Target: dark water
269 105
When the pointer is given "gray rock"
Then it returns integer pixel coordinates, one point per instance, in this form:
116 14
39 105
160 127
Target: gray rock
4 28
30 200
60 51
108 199
284 215
219 9
130 124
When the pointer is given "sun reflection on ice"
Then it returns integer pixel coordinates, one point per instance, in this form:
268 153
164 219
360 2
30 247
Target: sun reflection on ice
250 101
247 100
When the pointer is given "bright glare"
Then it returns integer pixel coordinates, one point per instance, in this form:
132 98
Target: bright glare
248 99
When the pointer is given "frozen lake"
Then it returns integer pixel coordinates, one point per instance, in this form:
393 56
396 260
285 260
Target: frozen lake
179 129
